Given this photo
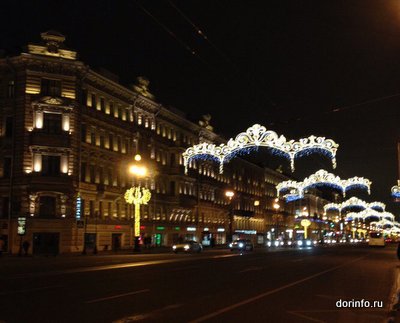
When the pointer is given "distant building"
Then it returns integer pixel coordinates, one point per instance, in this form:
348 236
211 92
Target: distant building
68 134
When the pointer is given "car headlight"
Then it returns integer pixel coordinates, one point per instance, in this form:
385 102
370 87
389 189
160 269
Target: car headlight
315 241
308 243
186 247
269 243
289 243
230 245
300 243
276 243
174 247
241 245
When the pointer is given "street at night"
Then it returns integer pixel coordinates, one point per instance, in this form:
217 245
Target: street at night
267 285
200 161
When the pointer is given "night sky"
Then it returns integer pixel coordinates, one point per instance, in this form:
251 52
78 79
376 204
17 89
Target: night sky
329 68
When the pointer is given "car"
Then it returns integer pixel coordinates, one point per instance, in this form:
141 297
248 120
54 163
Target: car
241 245
187 246
304 243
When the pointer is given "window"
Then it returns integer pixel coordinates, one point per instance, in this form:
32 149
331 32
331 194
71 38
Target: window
83 172
6 167
92 174
83 132
111 108
93 137
91 208
52 123
4 208
47 206
102 139
50 165
93 100
10 89
102 104
9 127
111 141
51 87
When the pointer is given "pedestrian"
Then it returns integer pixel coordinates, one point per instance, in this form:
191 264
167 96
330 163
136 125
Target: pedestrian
25 246
1 246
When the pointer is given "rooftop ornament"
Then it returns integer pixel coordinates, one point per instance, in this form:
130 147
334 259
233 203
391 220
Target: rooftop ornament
322 177
258 136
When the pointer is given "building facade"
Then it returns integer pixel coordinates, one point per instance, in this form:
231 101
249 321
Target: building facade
68 135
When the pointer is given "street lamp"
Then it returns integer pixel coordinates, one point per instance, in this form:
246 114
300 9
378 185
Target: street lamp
137 196
276 206
230 194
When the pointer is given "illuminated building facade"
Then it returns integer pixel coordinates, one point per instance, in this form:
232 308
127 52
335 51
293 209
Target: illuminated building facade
68 134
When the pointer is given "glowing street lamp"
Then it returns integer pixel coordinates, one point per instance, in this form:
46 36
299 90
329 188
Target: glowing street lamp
230 194
276 206
305 223
137 196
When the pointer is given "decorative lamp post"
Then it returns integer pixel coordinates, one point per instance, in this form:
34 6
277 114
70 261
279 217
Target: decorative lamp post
276 206
230 194
305 223
137 196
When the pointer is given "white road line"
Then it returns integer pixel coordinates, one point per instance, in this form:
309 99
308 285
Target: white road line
262 295
250 269
117 296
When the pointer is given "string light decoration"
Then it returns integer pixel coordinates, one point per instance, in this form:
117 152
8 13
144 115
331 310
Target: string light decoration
322 177
370 213
354 202
396 190
137 195
258 136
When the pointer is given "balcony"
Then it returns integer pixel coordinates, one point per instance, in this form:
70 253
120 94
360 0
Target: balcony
53 140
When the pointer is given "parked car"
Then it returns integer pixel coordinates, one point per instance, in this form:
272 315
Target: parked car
187 246
241 245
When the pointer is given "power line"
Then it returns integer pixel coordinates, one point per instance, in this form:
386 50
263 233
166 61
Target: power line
172 34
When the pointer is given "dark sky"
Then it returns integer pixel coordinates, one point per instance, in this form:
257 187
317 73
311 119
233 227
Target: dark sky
328 68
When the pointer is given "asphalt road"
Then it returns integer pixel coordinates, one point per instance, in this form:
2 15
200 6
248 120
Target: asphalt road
215 286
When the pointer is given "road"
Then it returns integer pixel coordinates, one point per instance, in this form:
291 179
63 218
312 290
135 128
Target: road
215 286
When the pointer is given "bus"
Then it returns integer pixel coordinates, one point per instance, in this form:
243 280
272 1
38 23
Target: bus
376 239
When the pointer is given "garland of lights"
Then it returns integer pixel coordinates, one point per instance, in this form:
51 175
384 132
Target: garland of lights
137 195
258 136
354 202
367 213
322 177
396 190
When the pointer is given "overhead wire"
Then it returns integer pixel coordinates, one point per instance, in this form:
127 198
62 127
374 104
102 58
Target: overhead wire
171 33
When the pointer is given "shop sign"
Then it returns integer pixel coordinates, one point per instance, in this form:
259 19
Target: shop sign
21 226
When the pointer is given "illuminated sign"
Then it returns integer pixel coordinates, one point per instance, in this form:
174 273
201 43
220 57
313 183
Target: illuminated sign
191 229
78 207
21 226
246 231
177 228
117 227
221 230
142 227
160 228
206 229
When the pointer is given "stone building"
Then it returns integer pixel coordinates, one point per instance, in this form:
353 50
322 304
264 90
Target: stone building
68 134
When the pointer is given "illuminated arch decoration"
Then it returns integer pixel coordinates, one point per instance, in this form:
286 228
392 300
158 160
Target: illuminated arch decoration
396 190
355 202
322 177
258 136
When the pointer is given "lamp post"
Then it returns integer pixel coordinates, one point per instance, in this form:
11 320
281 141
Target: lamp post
276 206
230 194
137 196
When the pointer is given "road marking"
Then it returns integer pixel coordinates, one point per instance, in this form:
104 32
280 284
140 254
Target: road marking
117 296
250 269
225 256
262 295
29 290
144 316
